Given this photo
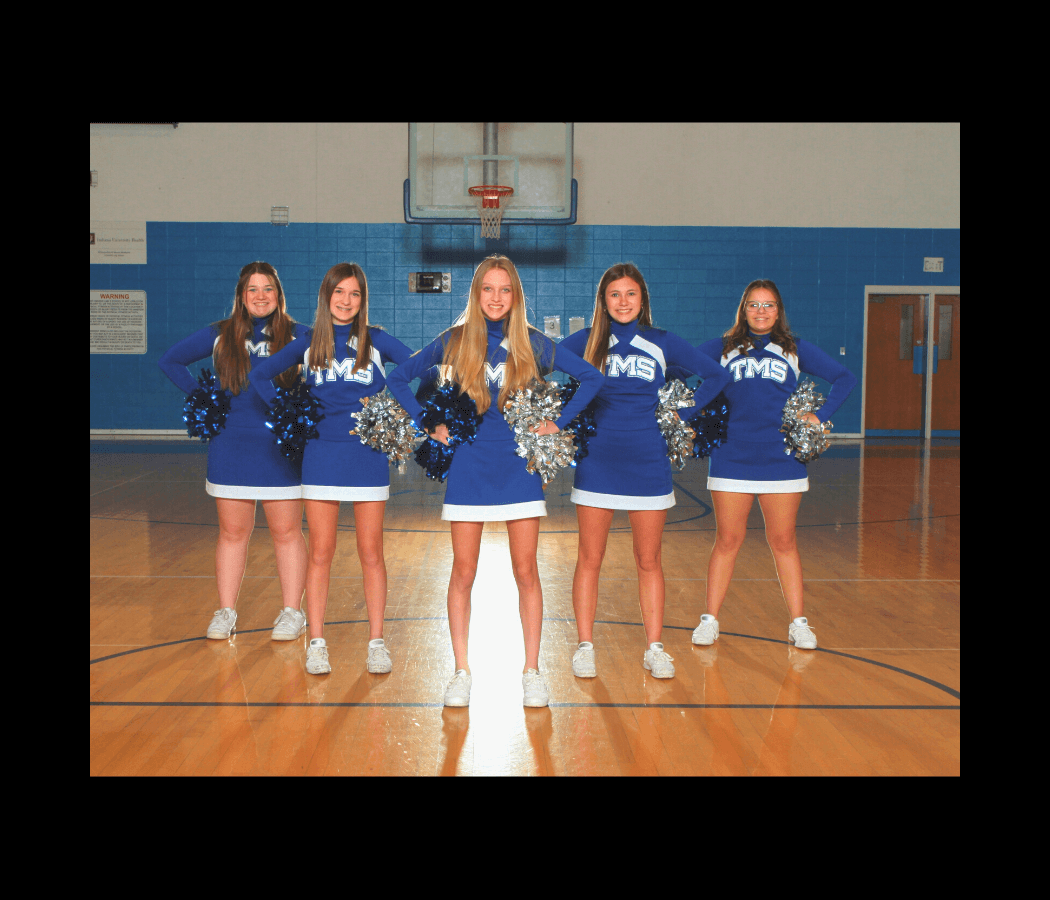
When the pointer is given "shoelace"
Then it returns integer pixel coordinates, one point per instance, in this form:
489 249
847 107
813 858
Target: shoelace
286 615
534 681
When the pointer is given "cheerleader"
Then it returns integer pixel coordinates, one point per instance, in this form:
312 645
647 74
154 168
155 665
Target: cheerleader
243 463
765 361
626 466
489 353
343 361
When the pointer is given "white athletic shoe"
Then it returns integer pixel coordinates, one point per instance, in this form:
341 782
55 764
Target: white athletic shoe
706 632
317 657
535 690
378 657
458 691
289 624
222 624
657 661
801 635
583 661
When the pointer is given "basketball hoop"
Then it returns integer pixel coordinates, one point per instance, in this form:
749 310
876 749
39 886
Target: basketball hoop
489 208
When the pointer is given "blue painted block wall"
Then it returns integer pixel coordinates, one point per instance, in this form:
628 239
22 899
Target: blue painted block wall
695 277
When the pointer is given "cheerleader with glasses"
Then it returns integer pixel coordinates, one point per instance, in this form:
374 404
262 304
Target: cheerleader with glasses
488 354
765 361
626 466
244 465
342 362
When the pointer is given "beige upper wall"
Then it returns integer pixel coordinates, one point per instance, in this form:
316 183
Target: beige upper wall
803 175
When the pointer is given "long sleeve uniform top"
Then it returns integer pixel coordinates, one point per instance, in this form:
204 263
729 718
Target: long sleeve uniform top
636 368
763 378
493 425
338 389
247 409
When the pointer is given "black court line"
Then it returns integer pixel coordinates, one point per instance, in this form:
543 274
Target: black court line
551 705
753 637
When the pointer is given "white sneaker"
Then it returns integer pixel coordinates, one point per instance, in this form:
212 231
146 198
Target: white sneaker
657 661
707 631
289 624
317 657
583 661
801 635
535 690
222 624
378 657
458 691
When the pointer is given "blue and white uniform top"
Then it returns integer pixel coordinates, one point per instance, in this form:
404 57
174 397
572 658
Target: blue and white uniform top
336 465
243 462
626 466
753 458
488 481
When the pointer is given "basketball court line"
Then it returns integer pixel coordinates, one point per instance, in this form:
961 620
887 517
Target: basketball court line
923 678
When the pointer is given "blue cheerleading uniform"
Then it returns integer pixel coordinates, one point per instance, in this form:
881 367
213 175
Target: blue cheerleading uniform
336 464
243 461
488 481
752 459
626 466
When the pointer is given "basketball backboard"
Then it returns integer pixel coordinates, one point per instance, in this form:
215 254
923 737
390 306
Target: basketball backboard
533 158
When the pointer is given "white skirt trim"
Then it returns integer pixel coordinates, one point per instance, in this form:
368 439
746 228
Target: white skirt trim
621 501
335 492
735 486
505 513
247 492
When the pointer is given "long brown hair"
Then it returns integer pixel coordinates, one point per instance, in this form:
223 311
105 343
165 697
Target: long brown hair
322 344
738 335
598 343
232 361
466 347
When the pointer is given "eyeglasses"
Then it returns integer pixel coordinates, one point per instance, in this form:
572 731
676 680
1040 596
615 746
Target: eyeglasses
757 306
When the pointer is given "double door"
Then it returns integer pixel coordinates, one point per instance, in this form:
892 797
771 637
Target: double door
912 384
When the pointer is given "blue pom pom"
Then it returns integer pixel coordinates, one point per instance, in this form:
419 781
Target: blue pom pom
293 419
583 427
711 425
206 408
443 404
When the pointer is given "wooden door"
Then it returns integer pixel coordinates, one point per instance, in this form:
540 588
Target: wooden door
944 413
893 387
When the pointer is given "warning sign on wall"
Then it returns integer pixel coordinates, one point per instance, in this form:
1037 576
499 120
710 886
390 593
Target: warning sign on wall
118 321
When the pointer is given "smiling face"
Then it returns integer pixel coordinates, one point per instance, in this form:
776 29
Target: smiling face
623 300
260 296
761 311
346 301
496 297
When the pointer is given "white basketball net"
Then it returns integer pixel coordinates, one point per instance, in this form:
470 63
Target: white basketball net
490 219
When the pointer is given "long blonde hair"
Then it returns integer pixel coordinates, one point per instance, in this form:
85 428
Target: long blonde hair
322 343
466 342
597 348
232 362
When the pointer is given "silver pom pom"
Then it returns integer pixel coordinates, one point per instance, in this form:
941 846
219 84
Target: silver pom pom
679 436
806 441
529 407
385 426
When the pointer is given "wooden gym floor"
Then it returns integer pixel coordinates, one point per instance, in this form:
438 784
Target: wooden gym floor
879 538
